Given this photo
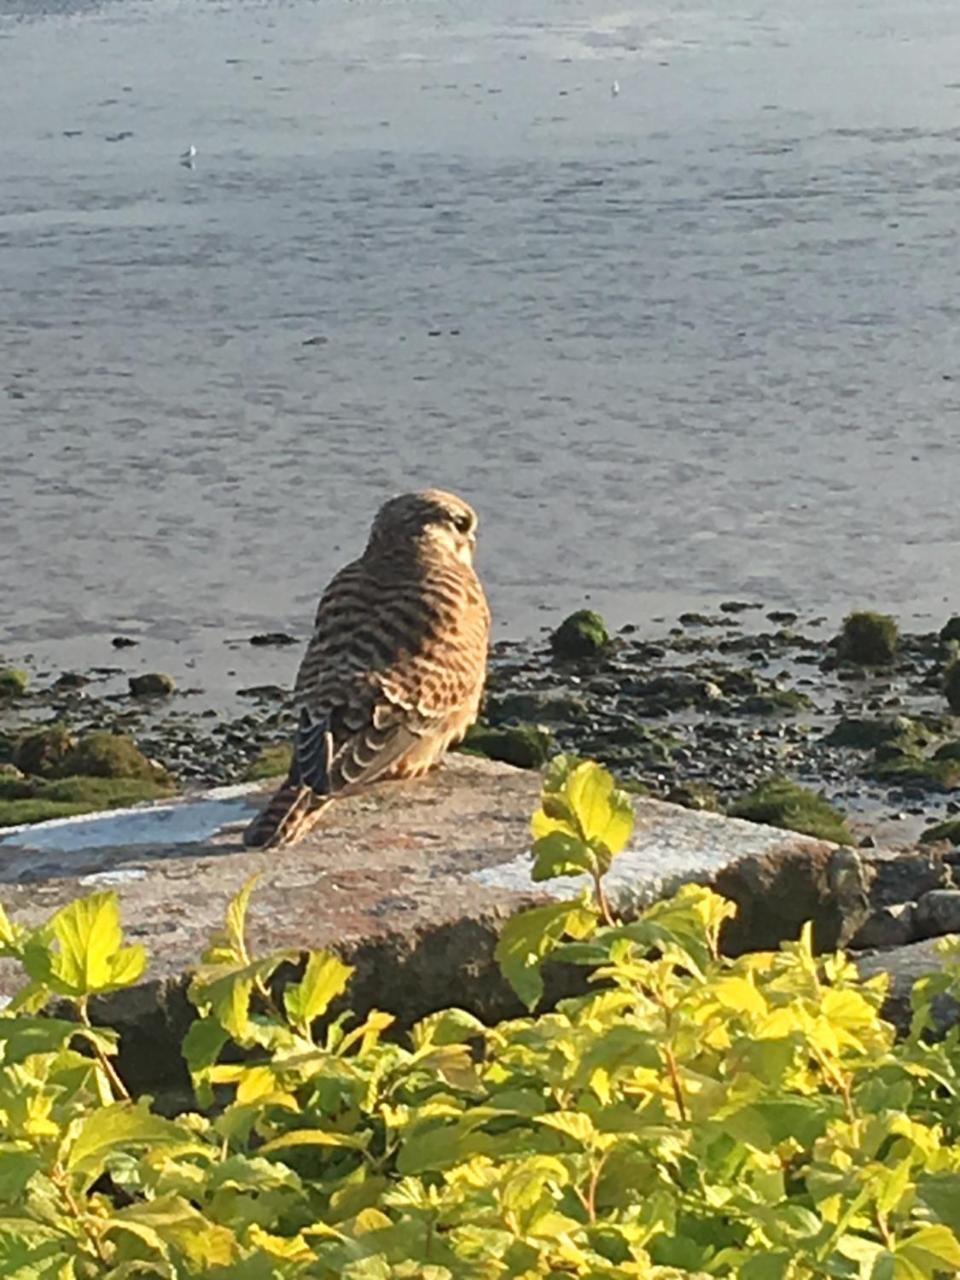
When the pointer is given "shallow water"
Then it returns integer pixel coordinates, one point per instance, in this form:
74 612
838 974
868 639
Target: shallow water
692 341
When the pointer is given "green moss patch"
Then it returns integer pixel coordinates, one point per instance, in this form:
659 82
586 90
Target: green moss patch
695 795
935 775
13 683
779 802
272 762
869 639
867 734
43 751
949 830
526 746
772 702
110 755
153 684
38 799
581 635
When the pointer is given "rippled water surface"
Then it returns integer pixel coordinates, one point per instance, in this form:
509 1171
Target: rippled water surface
692 341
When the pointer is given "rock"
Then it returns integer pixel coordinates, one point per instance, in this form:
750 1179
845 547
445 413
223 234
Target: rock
905 768
155 684
775 702
950 630
738 606
782 617
273 638
949 751
867 734
582 635
892 926
938 912
13 683
905 966
10 772
777 893
949 831
906 877
868 639
951 686
123 642
694 795
43 751
538 707
525 746
109 755
782 803
272 762
71 680
264 692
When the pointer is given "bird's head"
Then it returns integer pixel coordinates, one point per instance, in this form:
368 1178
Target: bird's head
431 521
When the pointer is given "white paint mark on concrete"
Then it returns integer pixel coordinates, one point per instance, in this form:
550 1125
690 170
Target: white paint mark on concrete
670 846
120 875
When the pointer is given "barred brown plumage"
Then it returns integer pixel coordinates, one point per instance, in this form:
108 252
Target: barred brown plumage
394 671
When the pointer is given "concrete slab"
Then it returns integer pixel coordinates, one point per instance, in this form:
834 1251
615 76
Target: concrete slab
408 882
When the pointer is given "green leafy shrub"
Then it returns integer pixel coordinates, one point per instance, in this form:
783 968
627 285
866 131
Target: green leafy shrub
691 1115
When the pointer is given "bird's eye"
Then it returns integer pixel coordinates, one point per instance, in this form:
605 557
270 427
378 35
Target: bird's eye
462 523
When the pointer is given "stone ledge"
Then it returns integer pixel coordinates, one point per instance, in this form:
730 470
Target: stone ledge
408 882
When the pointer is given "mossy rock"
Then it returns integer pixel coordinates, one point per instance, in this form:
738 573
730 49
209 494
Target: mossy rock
154 684
582 635
869 639
868 734
29 800
532 705
779 802
951 687
695 795
109 755
526 746
910 769
772 702
949 830
43 751
272 762
950 631
13 683
949 751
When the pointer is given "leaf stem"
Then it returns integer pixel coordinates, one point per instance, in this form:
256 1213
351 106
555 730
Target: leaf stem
108 1068
602 901
674 1072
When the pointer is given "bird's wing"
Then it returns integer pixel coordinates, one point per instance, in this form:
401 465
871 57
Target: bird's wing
389 661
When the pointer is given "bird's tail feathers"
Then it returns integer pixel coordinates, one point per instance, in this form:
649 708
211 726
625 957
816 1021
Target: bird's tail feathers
291 813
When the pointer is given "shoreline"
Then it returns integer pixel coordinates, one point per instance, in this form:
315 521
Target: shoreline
698 711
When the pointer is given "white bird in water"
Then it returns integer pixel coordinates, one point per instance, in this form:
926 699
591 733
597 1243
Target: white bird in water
615 89
187 158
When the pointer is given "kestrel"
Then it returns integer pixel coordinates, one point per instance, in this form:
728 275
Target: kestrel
394 671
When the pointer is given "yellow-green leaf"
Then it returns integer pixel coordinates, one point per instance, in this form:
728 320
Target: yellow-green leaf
325 978
315 1138
115 1128
604 813
81 950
